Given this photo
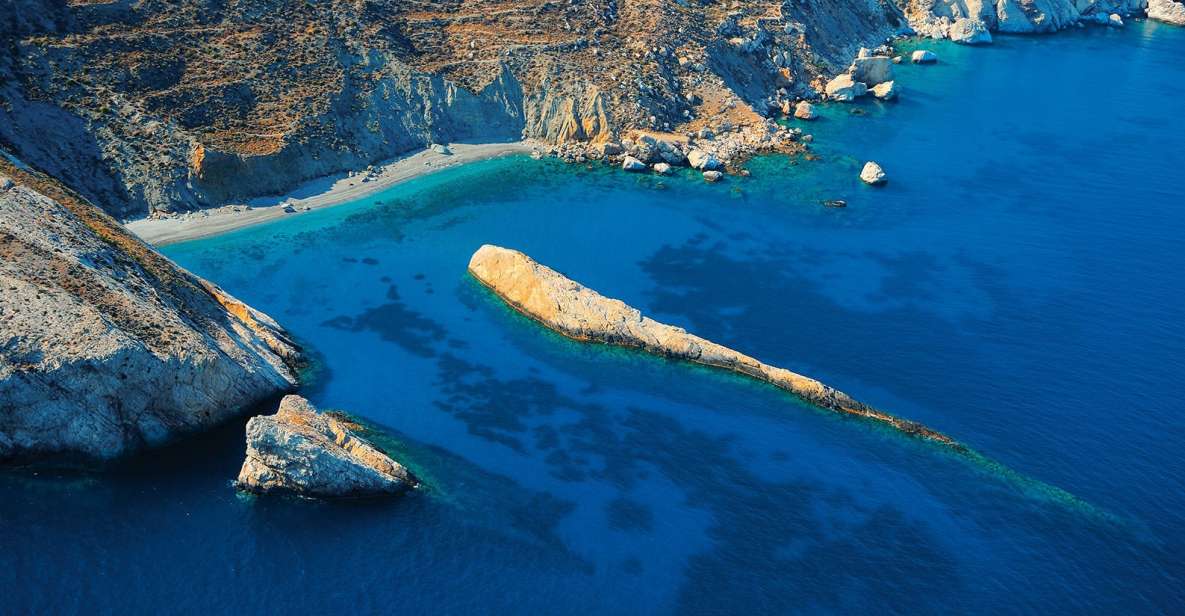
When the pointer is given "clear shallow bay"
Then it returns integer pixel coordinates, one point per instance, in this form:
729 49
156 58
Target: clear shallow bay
1017 285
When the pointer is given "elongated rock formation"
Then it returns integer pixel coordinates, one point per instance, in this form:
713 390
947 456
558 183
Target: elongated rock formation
578 312
302 451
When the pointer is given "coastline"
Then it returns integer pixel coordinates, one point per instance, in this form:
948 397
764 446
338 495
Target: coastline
317 194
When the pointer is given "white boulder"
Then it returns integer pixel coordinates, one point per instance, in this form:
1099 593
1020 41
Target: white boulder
629 163
844 88
804 111
872 174
713 176
662 168
885 91
871 70
699 159
923 56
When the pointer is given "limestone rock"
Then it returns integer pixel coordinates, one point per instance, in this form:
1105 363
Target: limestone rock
302 451
580 313
662 168
885 91
923 56
1167 11
970 32
106 346
844 88
703 161
804 111
1114 20
629 163
872 174
713 176
871 70
440 148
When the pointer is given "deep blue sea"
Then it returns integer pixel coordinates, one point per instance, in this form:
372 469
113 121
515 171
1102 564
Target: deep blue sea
1019 284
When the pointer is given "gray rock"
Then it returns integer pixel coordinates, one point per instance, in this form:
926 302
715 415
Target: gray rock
440 148
632 164
923 56
844 88
885 91
662 168
107 347
699 159
970 32
713 176
302 451
871 70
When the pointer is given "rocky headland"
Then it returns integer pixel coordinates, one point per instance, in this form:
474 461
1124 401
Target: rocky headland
302 451
577 312
107 347
154 108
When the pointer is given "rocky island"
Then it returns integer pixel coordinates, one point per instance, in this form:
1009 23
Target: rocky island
578 312
302 451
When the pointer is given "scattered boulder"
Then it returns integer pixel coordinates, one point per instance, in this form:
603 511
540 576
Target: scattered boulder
440 148
1167 11
1114 20
885 91
871 70
629 163
713 176
970 32
804 111
873 174
662 168
844 88
703 161
923 56
302 451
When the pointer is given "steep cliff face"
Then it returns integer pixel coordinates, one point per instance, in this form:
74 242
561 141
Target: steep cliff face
106 346
155 106
934 17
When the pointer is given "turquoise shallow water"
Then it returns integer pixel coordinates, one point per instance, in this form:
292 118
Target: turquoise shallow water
1017 285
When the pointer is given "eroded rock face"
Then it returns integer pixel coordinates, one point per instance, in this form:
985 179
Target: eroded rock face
106 346
302 451
1167 11
970 32
580 313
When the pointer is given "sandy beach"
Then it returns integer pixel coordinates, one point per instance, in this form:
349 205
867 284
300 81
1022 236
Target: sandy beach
317 194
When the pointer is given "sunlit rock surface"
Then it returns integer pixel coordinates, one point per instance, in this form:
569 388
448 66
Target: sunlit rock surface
575 311
300 450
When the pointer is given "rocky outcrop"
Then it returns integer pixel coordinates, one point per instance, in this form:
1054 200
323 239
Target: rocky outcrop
969 32
873 174
923 56
107 347
886 91
844 88
952 18
804 110
1167 11
871 69
580 313
308 453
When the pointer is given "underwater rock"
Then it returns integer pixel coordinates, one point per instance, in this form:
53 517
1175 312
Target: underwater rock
580 313
302 451
873 174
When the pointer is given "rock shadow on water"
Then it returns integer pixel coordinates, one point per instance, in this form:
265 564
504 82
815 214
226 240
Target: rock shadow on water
395 322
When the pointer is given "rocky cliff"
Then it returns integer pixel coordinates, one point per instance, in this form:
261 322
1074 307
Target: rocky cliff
147 107
106 346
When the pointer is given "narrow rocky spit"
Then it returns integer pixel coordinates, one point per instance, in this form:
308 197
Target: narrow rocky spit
107 347
302 451
580 313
